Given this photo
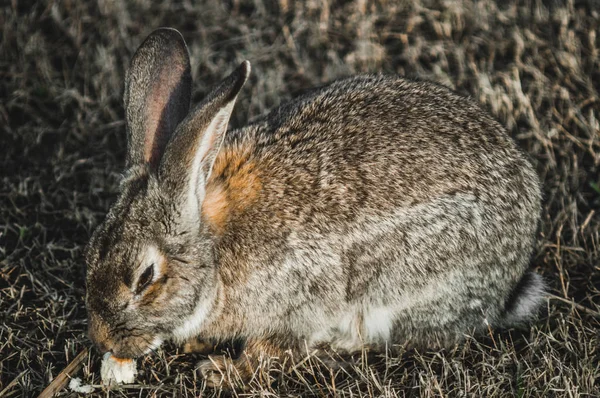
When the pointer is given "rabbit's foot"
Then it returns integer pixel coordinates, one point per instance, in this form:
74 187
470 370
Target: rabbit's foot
213 370
198 345
255 364
222 371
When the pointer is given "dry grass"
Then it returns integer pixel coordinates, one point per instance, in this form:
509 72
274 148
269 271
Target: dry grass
533 64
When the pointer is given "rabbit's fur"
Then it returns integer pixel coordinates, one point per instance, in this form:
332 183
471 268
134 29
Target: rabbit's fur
372 211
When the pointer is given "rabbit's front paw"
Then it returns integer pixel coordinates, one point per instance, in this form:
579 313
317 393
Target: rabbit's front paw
222 371
254 365
213 370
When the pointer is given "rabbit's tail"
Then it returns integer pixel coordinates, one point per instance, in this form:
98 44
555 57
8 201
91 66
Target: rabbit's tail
525 300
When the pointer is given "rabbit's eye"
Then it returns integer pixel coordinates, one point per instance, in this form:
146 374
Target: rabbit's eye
145 279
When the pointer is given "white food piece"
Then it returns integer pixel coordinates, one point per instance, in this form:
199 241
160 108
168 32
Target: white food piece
117 370
76 386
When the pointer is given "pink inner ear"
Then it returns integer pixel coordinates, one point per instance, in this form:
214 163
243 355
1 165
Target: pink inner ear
162 113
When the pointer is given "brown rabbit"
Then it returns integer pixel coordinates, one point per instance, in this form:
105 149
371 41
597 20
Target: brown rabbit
372 211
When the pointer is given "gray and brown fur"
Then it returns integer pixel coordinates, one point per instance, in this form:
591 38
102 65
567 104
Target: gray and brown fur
372 211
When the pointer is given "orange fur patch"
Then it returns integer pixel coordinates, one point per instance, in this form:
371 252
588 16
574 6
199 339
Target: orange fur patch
232 187
215 207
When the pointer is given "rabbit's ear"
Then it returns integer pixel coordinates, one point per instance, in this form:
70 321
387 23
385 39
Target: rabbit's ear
190 154
157 95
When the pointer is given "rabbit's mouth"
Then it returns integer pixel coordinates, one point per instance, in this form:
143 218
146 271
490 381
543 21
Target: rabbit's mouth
136 345
122 342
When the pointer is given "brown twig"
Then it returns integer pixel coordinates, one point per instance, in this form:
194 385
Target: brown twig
63 377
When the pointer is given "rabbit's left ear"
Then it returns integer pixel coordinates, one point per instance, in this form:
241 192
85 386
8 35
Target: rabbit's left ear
192 151
157 95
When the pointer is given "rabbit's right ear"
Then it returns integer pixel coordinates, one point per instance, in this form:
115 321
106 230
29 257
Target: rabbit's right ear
187 163
157 95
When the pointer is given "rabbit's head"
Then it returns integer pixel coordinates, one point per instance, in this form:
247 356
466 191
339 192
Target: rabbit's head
151 273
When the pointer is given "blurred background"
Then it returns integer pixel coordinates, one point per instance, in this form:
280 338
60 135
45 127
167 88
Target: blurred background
533 64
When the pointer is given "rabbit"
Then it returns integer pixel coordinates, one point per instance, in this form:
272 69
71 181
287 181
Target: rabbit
373 211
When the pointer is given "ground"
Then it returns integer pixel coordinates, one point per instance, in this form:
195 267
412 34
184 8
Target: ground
533 64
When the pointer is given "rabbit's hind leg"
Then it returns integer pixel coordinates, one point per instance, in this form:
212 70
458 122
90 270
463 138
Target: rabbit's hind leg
198 345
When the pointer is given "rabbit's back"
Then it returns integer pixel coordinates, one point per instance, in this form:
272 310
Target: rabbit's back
373 144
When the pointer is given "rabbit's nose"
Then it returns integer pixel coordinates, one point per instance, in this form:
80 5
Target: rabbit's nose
103 343
98 333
